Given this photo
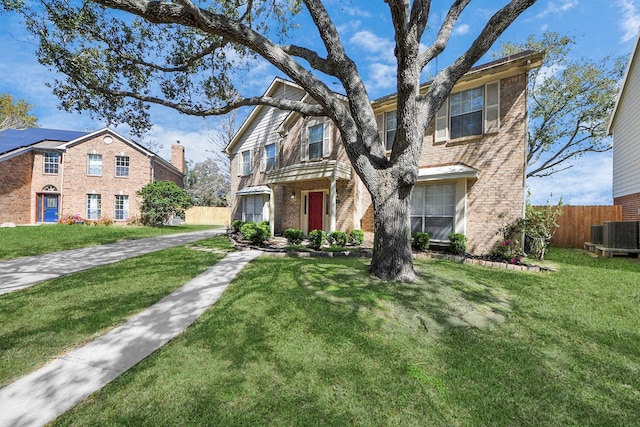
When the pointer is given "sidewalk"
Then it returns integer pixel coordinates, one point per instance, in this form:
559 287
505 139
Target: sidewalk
41 396
20 273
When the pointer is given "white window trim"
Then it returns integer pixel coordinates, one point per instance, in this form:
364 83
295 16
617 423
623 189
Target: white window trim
381 122
89 164
241 162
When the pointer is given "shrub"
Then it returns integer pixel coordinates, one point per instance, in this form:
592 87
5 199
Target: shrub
316 239
356 237
338 238
161 200
420 241
70 219
237 224
457 243
105 220
540 224
255 233
293 236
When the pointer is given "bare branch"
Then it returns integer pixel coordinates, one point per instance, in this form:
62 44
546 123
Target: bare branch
311 57
444 33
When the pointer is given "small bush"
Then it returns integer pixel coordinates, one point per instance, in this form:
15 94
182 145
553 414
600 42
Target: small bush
105 220
338 238
255 233
70 219
316 239
236 225
420 241
356 237
293 236
457 243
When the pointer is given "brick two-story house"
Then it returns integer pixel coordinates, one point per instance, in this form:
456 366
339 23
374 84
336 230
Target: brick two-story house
294 171
45 173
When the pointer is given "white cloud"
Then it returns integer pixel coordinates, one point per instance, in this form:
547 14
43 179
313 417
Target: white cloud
630 23
356 11
380 48
381 76
461 30
558 9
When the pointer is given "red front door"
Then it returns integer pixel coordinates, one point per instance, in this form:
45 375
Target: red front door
315 210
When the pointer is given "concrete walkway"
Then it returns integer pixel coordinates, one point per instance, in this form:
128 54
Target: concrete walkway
20 273
45 394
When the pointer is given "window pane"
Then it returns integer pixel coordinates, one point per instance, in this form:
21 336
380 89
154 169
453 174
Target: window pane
94 166
391 124
122 207
466 113
51 163
246 162
94 206
315 141
270 151
416 225
439 227
122 166
417 200
433 210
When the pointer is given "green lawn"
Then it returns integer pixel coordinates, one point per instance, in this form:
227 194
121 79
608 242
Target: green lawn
318 342
53 317
25 241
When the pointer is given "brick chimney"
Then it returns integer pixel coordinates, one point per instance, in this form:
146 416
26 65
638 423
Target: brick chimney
177 156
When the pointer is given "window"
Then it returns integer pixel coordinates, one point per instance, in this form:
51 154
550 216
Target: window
94 164
245 162
387 125
51 163
252 208
390 124
94 206
270 157
315 141
122 208
433 210
466 113
122 166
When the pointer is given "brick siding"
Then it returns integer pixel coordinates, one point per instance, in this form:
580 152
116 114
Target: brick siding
630 206
15 189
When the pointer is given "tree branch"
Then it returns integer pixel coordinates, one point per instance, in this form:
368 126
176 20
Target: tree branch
444 33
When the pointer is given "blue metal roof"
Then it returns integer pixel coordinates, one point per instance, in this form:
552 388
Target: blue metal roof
11 139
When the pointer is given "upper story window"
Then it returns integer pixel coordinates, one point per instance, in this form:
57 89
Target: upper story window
51 161
245 162
316 139
94 164
471 112
466 113
270 157
387 125
122 166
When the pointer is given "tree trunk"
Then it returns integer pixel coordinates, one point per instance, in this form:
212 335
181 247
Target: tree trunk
392 256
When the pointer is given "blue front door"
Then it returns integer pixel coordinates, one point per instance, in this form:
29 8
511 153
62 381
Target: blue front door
47 207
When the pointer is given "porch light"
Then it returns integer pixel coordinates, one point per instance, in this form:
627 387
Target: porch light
293 195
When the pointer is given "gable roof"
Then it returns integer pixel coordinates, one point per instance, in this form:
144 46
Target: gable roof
632 59
12 139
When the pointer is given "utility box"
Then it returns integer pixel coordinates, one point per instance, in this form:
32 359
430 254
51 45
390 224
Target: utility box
597 234
621 234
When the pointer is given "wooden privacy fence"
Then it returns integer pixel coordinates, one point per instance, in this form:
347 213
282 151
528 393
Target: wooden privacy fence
206 215
576 221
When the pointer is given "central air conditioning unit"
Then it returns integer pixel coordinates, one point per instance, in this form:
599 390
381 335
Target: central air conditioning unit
621 234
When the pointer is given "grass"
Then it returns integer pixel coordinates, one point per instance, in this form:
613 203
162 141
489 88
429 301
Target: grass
55 316
318 342
25 241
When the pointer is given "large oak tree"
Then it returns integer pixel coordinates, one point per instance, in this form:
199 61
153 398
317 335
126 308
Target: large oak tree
119 56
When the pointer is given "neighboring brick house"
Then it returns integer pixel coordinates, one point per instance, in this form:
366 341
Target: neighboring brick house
625 128
294 171
45 173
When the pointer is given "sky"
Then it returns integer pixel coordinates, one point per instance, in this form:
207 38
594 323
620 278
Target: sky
600 28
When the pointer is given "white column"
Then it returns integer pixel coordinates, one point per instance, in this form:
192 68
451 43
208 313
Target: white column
272 207
332 204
